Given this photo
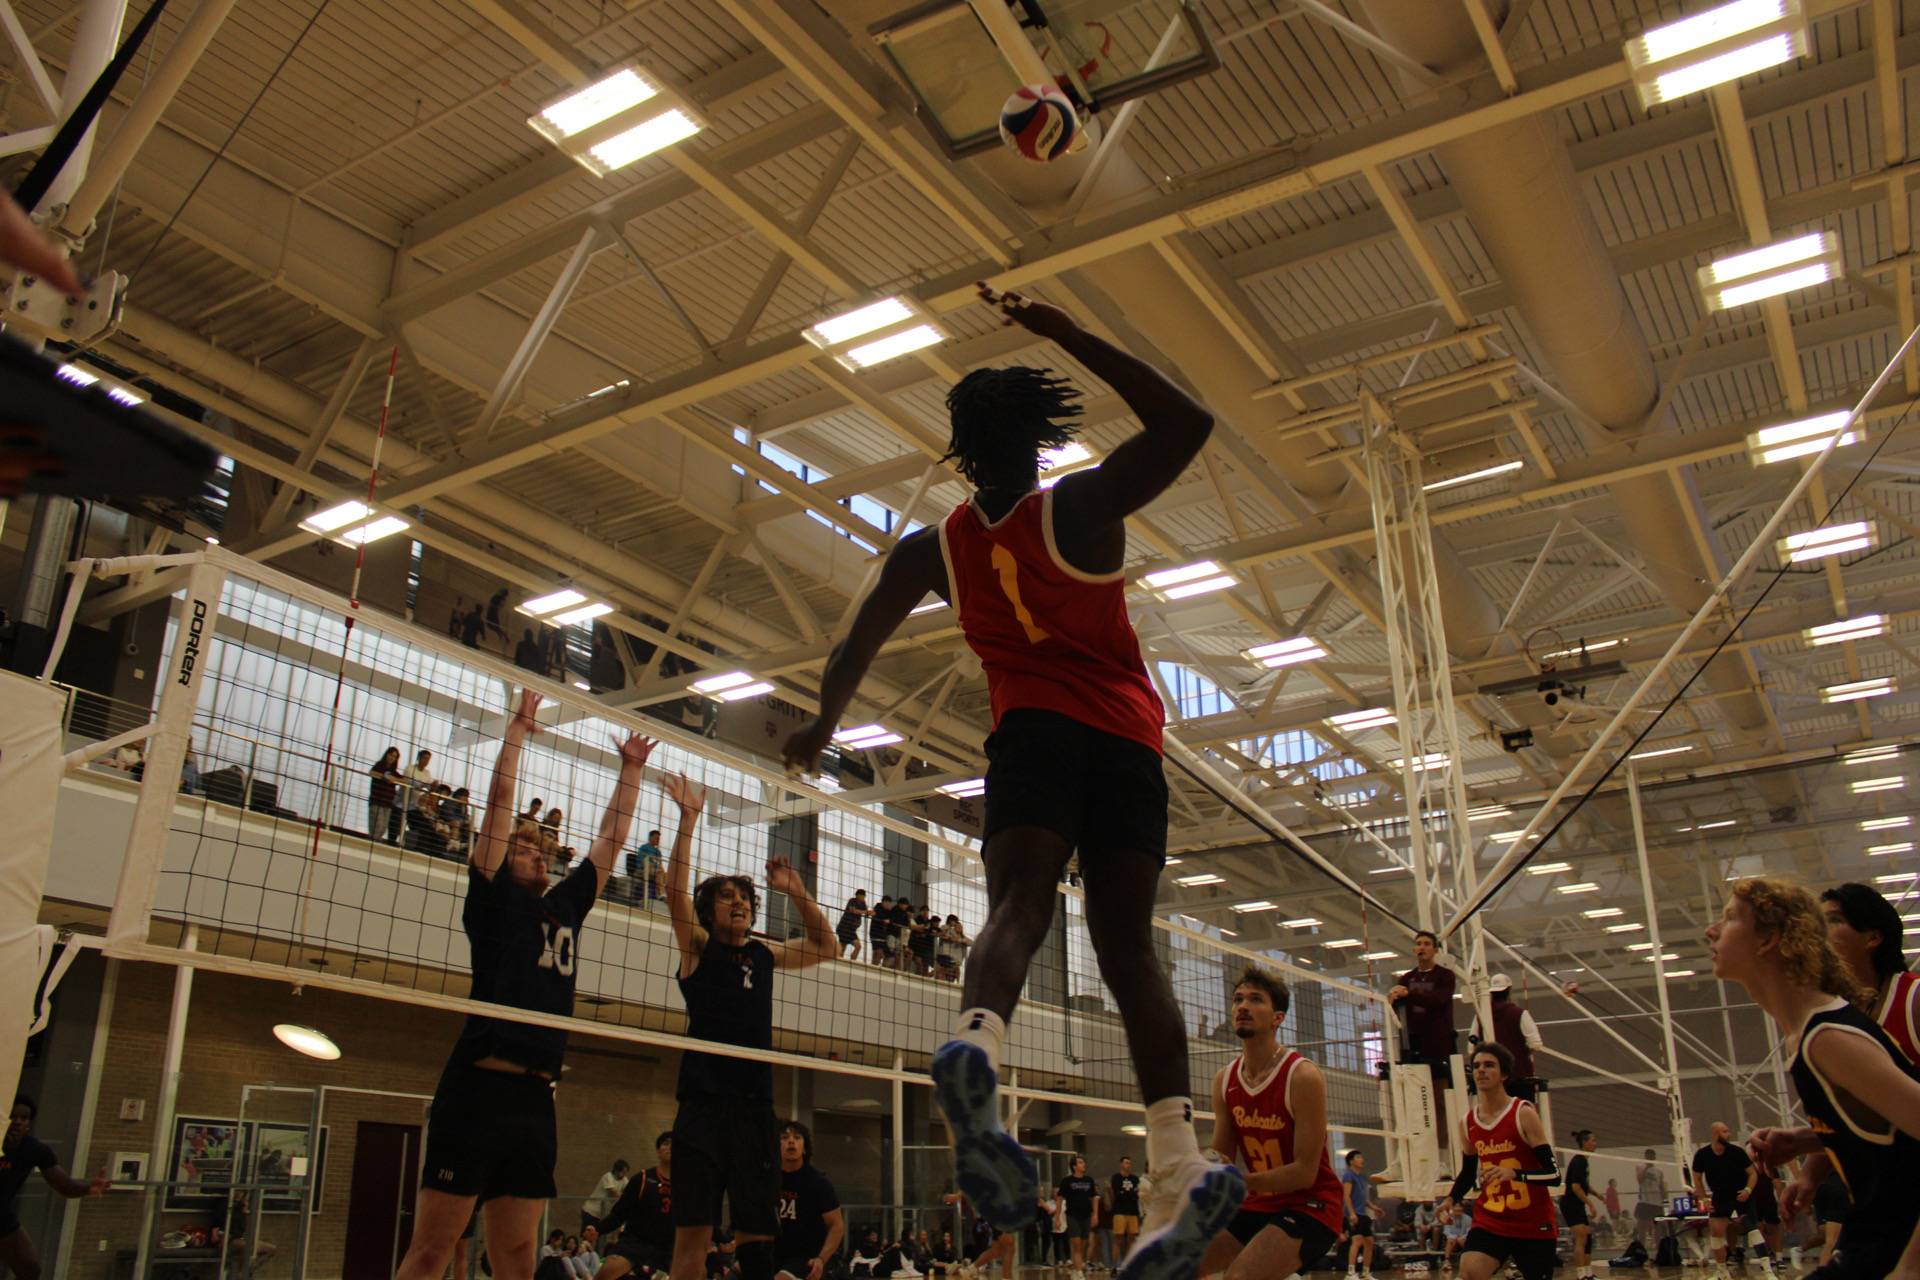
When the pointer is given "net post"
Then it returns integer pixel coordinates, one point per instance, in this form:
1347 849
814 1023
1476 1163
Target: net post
195 616
30 768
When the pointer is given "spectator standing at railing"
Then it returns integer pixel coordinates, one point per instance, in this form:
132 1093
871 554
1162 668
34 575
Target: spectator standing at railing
926 929
847 932
559 856
419 777
880 930
643 869
383 798
953 949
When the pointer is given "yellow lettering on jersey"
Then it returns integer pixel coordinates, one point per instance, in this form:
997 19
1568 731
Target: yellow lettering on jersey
1009 571
1245 1119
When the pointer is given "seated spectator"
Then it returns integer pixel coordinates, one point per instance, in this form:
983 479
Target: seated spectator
945 1256
456 811
867 1252
426 831
720 1259
189 774
559 857
586 1259
643 871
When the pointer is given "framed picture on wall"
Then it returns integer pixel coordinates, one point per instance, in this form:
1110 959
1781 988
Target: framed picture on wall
280 1157
128 1169
203 1161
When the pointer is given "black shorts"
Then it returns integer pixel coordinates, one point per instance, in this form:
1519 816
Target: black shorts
1574 1210
1079 1228
727 1145
1645 1212
640 1255
1831 1202
1866 1249
1767 1213
1098 791
1535 1258
490 1134
848 936
1315 1236
1362 1225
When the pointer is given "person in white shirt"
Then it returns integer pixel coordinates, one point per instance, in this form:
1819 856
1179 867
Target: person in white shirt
1514 1028
419 779
594 1209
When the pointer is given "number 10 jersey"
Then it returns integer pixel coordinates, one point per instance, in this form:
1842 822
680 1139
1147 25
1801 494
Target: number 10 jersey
1050 637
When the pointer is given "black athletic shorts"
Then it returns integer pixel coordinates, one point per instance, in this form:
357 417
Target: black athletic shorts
1535 1258
729 1145
848 936
1574 1210
1362 1225
1866 1249
1098 791
1079 1228
1767 1213
641 1256
1831 1202
489 1134
1315 1236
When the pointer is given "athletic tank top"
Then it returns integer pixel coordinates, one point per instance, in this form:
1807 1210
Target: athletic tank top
1876 1160
729 1000
1899 1014
1263 1118
1520 1210
1049 636
644 1211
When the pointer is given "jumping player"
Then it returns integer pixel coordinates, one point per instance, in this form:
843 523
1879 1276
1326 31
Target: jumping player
643 1215
490 1129
1860 1094
20 1155
1270 1112
1505 1153
1037 578
725 1137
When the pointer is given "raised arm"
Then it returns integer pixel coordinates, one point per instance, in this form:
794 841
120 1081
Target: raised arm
496 830
691 797
1173 425
618 819
1307 1094
818 943
71 1187
912 569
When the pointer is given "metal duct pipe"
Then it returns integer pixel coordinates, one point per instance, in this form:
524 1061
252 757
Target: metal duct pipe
1517 186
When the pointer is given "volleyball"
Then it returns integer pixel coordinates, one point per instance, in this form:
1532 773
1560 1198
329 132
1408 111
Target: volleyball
1038 122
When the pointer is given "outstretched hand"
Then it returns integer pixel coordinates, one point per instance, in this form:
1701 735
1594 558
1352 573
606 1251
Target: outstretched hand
782 878
1037 317
802 752
635 750
100 1184
683 791
525 720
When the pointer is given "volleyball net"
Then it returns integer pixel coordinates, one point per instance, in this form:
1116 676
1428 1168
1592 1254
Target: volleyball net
260 841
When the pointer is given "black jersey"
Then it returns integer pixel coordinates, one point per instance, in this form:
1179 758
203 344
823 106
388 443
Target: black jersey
18 1162
524 951
1876 1160
850 918
806 1197
1126 1195
1078 1193
729 1001
644 1211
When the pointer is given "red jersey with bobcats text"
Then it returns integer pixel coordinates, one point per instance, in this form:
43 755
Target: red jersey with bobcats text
1049 636
1899 1014
1520 1210
1263 1117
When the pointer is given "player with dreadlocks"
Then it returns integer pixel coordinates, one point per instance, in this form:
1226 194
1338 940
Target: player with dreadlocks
1036 577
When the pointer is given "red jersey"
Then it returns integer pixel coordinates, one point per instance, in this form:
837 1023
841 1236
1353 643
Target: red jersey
1519 1209
1049 636
1899 1014
1263 1118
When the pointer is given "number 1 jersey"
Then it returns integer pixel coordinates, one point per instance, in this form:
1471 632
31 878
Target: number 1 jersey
1049 636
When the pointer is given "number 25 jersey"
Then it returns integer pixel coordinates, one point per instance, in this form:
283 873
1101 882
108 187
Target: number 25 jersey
1518 1209
1049 636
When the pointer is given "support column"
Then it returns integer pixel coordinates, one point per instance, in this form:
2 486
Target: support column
1676 1109
89 1108
169 1092
899 1087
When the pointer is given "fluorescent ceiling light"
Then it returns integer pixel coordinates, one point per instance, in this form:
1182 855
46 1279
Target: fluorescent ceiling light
1201 878
1378 955
1304 922
1704 73
1639 946
1420 764
731 686
1484 473
374 530
315 1044
1871 755
1667 955
1134 1130
1341 944
121 395
1798 439
1864 627
1896 877
599 102
1589 646
585 613
1880 850
1548 868
1867 786
888 348
1767 272
1488 811
1884 824
1229 933
1355 721
1739 295
639 142
541 606
858 322
76 375
1634 927
1679 973
1772 257
1690 35
1854 690
866 736
1386 871
1585 886
1661 751
1057 464
1508 837
1258 904
1714 826
1604 913
336 517
1189 580
1286 653
971 787
1833 540
930 606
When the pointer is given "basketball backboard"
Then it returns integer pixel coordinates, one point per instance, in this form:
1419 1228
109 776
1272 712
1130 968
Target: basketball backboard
1101 52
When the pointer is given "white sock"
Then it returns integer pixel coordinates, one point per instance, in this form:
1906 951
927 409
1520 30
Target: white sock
985 1028
1170 1139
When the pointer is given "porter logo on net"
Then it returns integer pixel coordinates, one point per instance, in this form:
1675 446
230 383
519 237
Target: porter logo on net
190 656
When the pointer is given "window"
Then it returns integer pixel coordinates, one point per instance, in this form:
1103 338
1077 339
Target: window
1193 694
1284 751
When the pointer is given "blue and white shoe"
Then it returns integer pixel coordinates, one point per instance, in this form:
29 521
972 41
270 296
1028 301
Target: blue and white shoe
1191 1204
988 1165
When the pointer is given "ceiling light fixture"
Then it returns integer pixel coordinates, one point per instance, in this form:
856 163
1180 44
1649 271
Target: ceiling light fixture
1897 877
1548 868
1057 464
731 687
1378 955
1867 786
1657 752
866 737
1355 721
1881 850
1342 944
857 323
1831 540
1798 439
1639 946
307 1040
881 350
1724 43
1488 811
1885 824
1586 647
352 523
1258 904
1420 764
1585 886
1678 973
1633 927
1303 922
618 119
932 606
1198 879
1768 272
1604 913
1871 755
1854 690
1189 580
1864 627
1715 826
1286 653
974 787
1484 473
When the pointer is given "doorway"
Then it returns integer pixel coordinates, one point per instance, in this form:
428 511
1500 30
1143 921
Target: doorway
386 1175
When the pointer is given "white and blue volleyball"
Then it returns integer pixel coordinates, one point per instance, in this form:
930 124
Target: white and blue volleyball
1038 122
